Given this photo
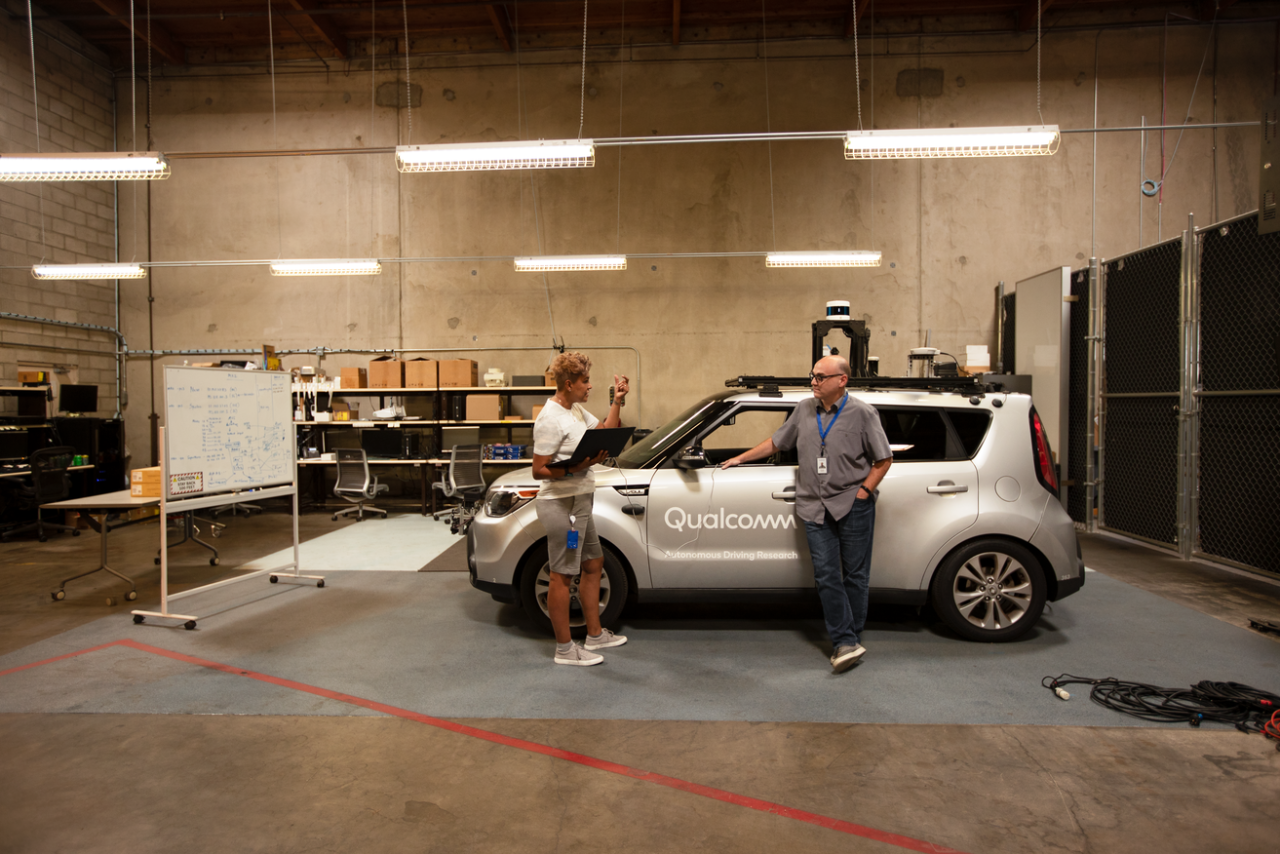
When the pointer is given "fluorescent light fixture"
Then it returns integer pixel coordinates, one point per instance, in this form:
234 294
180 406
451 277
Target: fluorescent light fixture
950 142
851 258
485 156
94 166
570 263
88 271
327 267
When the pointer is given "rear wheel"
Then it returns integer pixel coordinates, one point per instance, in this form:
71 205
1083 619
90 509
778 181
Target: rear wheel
535 582
989 590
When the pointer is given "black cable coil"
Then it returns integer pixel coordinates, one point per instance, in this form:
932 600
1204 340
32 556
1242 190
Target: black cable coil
1247 708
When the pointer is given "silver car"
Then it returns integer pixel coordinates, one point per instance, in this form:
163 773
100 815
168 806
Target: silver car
967 520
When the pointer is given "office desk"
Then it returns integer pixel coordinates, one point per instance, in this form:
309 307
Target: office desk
26 472
97 507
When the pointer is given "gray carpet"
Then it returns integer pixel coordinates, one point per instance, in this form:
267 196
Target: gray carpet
429 643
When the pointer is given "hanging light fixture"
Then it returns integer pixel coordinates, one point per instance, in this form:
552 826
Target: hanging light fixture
951 142
850 258
88 271
327 267
491 156
93 166
570 263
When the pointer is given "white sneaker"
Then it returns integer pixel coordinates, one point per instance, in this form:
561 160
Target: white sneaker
604 640
846 656
578 657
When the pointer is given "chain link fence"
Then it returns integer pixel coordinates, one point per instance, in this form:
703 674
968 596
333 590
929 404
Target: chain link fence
1239 395
1139 489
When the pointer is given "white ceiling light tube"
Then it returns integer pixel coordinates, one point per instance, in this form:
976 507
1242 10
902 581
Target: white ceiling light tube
487 156
570 263
88 271
94 166
951 142
849 258
327 267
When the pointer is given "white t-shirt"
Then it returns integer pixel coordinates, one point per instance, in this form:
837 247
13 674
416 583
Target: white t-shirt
556 434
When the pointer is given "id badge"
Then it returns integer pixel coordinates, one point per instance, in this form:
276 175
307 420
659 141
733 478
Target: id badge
822 465
572 541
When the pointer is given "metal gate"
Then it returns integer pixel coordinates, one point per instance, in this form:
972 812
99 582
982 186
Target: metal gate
1239 395
1141 387
1078 415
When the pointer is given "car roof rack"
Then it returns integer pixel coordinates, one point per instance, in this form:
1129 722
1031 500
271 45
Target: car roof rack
772 386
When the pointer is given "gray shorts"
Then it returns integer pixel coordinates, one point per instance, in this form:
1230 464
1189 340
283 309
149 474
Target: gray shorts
554 514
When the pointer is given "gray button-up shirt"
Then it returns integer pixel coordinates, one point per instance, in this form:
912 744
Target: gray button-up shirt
854 442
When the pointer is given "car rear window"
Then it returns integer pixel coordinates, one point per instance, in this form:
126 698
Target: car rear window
917 433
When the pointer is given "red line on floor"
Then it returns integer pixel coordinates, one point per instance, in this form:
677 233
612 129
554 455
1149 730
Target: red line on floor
905 842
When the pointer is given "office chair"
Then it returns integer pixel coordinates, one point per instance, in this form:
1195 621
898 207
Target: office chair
464 480
48 483
355 484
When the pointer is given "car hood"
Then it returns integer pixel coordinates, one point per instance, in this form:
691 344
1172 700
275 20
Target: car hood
606 476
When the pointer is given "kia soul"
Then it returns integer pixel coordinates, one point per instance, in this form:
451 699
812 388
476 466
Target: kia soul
967 519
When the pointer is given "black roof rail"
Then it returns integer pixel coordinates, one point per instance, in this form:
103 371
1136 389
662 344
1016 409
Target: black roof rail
957 385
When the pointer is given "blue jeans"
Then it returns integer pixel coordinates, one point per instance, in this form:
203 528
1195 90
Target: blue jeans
841 551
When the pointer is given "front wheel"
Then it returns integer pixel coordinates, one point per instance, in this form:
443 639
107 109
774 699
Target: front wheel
535 582
989 590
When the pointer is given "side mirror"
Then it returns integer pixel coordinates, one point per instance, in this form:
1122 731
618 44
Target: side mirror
691 458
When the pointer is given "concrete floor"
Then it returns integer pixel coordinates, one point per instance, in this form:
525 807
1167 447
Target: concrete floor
397 780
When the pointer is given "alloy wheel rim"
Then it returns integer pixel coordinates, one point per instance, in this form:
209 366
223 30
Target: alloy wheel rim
992 590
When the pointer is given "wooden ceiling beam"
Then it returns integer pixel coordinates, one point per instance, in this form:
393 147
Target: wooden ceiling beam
849 19
166 45
322 24
1027 14
498 14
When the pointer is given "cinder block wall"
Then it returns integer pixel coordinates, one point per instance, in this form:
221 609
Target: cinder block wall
57 223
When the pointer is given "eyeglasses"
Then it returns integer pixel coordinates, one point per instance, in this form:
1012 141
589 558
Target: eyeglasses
818 378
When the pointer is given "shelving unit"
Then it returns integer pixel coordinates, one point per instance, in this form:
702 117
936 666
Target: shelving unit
28 407
428 468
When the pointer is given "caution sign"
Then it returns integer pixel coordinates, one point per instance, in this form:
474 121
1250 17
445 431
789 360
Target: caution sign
185 484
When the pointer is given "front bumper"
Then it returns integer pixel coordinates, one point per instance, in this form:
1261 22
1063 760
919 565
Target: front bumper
500 592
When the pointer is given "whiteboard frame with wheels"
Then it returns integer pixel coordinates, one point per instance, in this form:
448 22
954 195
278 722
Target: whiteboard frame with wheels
268 441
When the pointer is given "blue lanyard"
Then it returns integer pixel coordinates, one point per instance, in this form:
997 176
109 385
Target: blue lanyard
822 434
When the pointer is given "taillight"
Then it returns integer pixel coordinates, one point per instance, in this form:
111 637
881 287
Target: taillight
1045 471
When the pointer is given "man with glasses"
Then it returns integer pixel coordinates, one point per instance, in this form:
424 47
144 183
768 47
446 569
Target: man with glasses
843 454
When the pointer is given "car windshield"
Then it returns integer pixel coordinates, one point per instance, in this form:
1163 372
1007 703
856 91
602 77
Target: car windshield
670 434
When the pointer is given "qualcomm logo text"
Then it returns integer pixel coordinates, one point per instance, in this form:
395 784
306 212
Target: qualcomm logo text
679 520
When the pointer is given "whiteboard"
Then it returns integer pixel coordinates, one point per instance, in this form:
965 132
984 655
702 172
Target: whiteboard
226 430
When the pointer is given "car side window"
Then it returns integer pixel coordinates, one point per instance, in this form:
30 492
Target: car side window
915 434
742 430
971 427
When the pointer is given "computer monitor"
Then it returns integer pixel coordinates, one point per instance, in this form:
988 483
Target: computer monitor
78 398
382 443
13 445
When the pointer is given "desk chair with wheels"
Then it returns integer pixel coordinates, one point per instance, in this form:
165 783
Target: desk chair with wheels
464 481
48 483
356 485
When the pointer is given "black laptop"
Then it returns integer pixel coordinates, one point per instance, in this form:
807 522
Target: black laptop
610 439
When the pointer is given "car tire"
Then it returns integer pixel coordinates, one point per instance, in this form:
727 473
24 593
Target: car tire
989 590
535 582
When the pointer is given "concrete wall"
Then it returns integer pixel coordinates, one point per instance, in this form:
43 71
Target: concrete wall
949 230
56 223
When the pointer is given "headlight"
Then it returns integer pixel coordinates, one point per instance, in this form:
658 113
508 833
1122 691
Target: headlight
503 501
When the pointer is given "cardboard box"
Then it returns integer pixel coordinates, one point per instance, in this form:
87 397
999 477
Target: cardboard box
355 378
537 409
421 373
145 483
386 372
33 377
458 373
485 407
549 379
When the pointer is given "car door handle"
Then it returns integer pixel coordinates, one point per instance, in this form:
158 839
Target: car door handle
785 495
633 510
946 488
